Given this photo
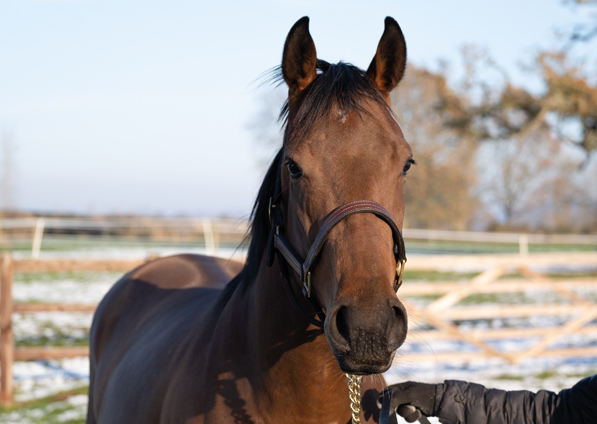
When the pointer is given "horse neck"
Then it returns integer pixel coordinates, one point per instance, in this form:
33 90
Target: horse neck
282 328
293 354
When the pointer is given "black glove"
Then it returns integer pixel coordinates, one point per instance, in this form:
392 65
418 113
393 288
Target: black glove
411 399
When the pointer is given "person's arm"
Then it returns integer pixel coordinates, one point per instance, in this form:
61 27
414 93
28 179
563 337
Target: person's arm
578 404
459 402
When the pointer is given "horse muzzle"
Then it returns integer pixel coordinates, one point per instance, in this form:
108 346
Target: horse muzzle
364 338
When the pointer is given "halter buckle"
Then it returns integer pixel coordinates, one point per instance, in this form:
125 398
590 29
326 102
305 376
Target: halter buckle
399 270
307 283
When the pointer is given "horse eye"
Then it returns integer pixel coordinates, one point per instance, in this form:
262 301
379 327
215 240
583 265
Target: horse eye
407 166
295 170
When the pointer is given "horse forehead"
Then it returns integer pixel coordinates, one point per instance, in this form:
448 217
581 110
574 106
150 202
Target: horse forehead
356 134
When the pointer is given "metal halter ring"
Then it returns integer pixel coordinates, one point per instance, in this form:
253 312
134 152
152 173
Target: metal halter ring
399 270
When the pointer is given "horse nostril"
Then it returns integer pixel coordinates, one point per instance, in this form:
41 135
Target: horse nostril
400 314
399 327
341 324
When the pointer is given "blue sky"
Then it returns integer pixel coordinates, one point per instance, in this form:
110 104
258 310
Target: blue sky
143 106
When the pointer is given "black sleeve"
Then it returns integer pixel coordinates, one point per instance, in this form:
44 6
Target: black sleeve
578 404
459 402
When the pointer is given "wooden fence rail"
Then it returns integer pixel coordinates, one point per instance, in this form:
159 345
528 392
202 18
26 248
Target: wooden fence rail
8 352
439 314
577 312
210 233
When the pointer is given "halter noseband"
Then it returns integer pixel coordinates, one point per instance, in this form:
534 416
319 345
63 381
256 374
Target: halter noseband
302 267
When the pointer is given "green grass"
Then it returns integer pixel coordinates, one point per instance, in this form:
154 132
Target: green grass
59 276
59 340
431 276
502 299
46 332
51 409
546 374
73 243
580 376
573 275
511 377
454 247
91 243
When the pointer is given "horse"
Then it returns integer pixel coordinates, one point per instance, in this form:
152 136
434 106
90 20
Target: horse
197 340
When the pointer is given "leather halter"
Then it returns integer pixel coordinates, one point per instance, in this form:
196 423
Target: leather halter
304 268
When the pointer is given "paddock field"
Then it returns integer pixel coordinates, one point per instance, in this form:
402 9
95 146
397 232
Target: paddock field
55 391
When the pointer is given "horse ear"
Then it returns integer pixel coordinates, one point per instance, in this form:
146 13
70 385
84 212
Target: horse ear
389 63
299 59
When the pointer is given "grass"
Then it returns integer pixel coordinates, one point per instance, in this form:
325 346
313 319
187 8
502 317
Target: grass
511 377
494 298
57 243
49 333
56 328
33 330
74 243
69 406
52 409
432 276
546 374
59 276
59 340
454 247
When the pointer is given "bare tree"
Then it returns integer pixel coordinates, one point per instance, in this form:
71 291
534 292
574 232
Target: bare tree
533 182
8 169
490 111
512 171
583 32
264 125
439 189
534 146
484 149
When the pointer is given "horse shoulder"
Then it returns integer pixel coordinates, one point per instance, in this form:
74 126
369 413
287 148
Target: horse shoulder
185 271
139 297
148 285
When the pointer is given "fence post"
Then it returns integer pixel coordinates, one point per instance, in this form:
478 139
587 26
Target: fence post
37 238
6 335
523 244
208 235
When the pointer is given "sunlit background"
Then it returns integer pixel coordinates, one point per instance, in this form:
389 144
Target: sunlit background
149 107
133 129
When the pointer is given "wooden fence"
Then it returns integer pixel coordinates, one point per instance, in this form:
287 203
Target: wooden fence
442 313
8 352
439 314
210 233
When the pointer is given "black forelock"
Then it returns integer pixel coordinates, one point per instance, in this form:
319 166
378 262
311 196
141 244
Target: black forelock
338 85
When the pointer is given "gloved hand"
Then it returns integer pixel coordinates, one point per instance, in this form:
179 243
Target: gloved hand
410 399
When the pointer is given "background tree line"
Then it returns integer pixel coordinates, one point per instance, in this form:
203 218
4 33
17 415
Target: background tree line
492 155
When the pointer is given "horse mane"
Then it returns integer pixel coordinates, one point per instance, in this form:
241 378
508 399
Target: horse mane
259 228
339 85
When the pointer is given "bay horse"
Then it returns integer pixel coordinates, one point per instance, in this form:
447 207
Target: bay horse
193 339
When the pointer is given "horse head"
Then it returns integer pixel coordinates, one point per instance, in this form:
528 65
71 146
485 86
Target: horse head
342 145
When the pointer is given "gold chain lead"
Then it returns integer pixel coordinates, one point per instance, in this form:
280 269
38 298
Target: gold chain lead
354 393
